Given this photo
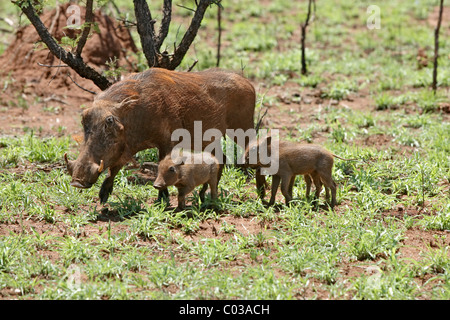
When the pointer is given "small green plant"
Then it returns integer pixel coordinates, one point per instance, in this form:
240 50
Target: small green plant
339 90
339 133
374 241
114 72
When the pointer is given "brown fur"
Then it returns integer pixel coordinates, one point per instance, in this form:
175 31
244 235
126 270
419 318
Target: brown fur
312 161
144 109
186 176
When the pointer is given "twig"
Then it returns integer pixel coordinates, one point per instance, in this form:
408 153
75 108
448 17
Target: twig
54 76
52 65
54 98
219 40
127 23
89 19
259 122
193 65
55 18
111 2
87 90
181 6
165 24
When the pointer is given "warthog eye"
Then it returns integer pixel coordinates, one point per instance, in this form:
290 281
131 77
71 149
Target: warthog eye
172 169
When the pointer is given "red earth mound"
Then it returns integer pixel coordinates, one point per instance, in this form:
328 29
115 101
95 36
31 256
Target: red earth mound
26 84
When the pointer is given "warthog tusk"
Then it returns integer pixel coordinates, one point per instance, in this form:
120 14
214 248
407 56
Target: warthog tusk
100 169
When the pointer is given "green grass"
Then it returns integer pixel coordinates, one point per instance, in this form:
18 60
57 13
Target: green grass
149 253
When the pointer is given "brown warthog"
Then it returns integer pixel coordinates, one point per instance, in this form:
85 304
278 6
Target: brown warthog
312 161
143 110
186 171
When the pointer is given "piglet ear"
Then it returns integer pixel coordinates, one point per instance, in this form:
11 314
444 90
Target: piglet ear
181 160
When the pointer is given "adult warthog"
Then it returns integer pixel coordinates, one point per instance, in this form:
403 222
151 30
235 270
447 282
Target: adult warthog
144 109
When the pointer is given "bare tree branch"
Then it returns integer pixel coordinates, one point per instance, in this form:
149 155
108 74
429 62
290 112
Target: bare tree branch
191 33
88 20
74 61
146 31
151 44
165 23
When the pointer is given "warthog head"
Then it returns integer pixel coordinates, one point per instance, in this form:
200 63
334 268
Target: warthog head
104 143
168 172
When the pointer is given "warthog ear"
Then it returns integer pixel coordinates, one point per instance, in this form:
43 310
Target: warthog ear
126 102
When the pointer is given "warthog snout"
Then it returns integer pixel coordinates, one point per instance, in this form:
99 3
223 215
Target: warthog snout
159 185
78 184
83 176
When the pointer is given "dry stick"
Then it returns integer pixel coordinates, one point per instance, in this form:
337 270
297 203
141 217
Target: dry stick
219 25
54 76
259 122
193 65
55 18
436 47
126 23
304 26
87 90
184 7
52 65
